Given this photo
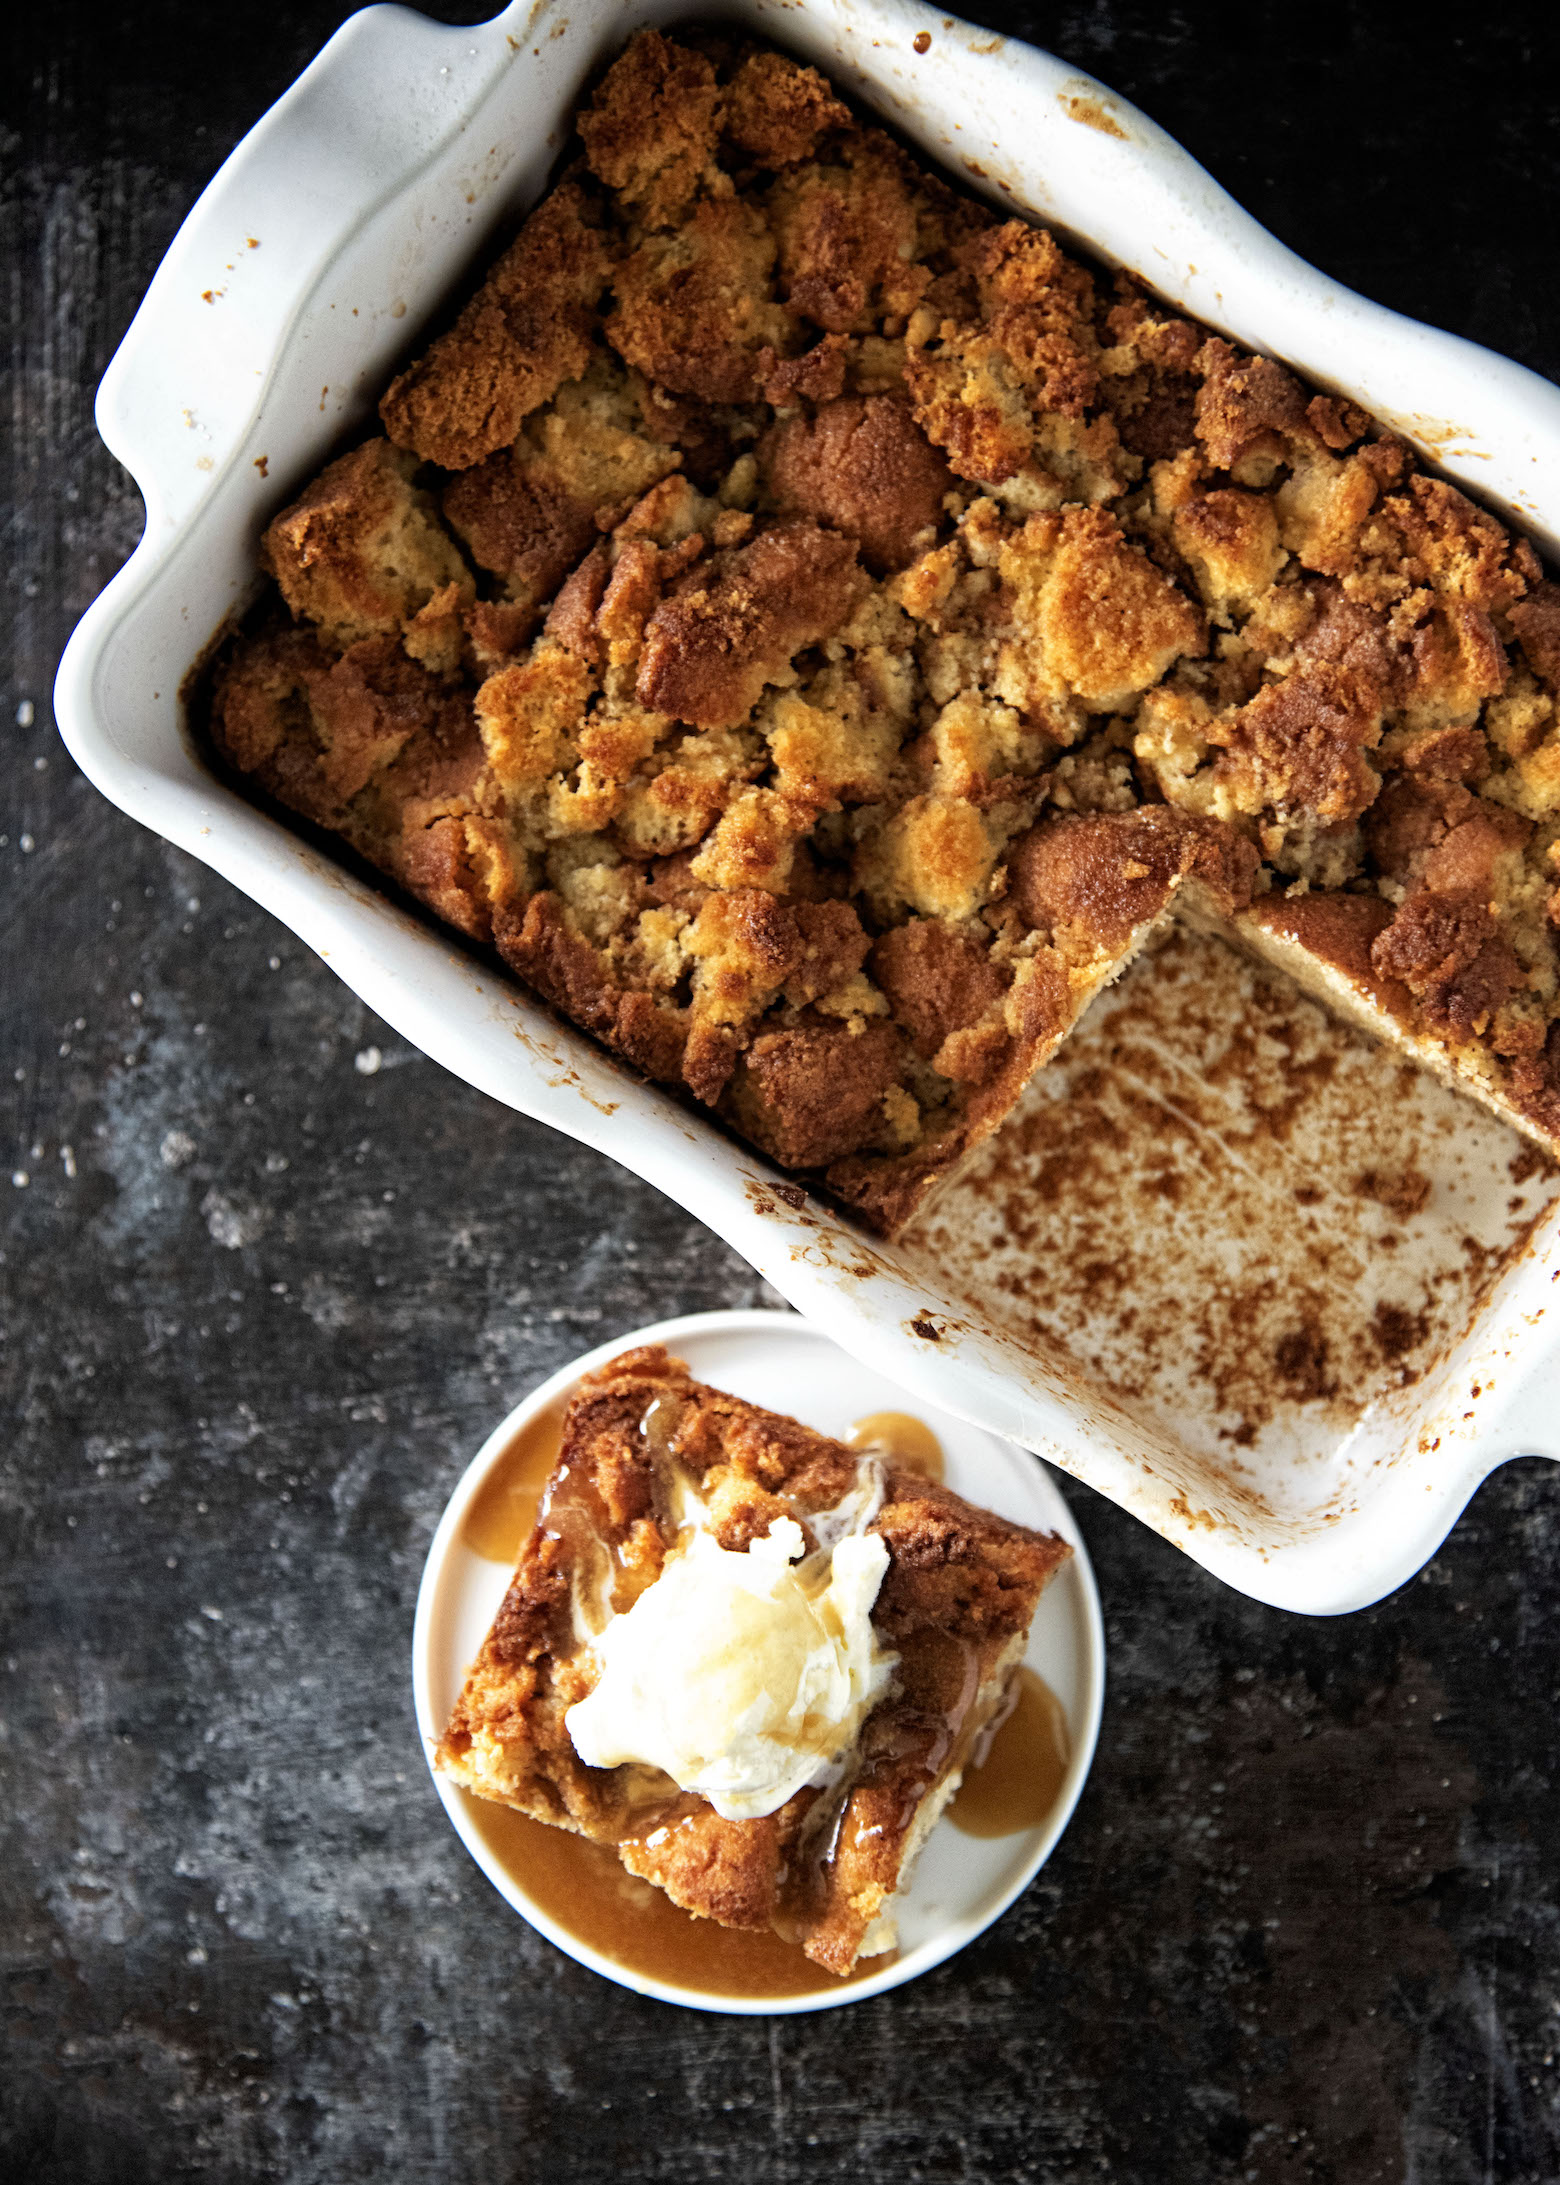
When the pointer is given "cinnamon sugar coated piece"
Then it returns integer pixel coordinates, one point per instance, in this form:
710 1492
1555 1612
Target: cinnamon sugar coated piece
817 629
642 1441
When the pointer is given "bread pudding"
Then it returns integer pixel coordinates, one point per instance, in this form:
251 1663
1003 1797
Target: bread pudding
816 630
809 1827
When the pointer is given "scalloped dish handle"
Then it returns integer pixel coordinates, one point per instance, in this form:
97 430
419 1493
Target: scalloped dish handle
183 388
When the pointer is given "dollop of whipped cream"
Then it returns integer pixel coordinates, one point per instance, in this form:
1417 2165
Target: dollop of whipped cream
744 1676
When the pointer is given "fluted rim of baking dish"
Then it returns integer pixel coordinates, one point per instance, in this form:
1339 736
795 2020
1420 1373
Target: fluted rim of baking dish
394 101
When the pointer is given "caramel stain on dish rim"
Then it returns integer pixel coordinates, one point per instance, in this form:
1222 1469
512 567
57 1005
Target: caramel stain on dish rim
1017 1784
909 1441
502 1512
1082 107
584 1889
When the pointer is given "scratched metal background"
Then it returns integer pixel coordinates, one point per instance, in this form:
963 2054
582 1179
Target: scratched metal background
268 1277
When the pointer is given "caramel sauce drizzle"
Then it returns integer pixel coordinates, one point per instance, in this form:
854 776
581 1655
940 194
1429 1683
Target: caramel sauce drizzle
586 1890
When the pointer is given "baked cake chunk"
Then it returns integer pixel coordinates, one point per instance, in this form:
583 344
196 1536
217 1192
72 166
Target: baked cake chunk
656 1469
812 627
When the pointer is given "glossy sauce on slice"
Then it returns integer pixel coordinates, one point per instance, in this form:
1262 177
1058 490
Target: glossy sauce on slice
1021 1777
1019 1780
503 1510
583 1887
908 1440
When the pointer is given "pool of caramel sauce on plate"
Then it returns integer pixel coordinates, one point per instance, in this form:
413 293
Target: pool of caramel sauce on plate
1021 1777
908 1440
585 1889
503 1510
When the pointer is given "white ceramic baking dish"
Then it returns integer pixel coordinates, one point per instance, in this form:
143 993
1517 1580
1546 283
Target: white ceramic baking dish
335 234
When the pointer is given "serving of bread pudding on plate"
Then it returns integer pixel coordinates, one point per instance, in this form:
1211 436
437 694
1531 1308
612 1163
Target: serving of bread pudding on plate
753 1660
816 630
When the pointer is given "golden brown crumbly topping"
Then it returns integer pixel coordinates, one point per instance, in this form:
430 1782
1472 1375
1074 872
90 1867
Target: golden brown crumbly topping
1101 876
362 552
938 980
958 1594
712 649
520 524
523 335
815 628
862 465
650 133
776 112
810 1094
1536 621
846 226
695 308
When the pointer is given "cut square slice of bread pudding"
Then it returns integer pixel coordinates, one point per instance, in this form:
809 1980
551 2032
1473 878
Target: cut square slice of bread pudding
753 1660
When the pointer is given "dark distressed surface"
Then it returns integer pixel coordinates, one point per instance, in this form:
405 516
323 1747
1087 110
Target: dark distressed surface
261 1299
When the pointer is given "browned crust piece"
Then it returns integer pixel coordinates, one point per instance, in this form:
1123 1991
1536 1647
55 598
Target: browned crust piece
863 588
1340 932
522 524
378 750
524 333
862 465
710 650
361 553
318 732
651 130
959 1592
696 309
776 111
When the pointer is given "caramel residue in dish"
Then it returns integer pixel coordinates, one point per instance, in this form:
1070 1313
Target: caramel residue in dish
1265 1217
1091 113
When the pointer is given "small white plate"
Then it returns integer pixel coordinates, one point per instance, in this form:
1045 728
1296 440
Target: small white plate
962 1882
